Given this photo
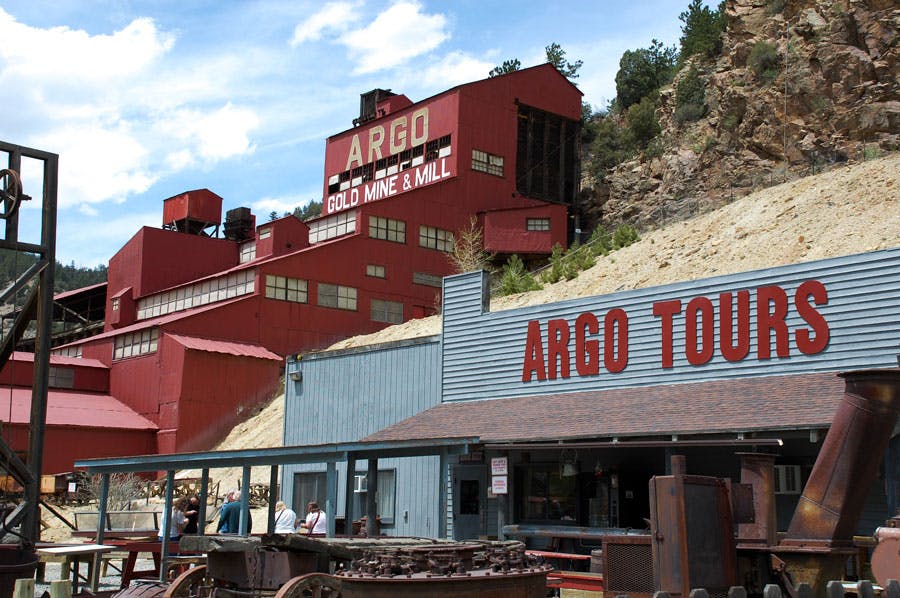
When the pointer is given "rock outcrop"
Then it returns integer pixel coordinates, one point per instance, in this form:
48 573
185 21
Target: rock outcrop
833 98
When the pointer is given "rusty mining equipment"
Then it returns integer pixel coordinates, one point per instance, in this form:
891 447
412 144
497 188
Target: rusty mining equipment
32 294
295 566
692 541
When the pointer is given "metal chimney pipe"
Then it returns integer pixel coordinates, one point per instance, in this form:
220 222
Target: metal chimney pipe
833 498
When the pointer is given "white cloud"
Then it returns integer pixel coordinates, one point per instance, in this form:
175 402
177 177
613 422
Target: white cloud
70 53
454 69
282 204
333 17
401 32
210 136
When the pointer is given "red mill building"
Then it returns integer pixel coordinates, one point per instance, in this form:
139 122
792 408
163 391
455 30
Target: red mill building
196 326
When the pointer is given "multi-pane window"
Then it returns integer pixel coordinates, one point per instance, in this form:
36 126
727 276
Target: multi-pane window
537 224
197 294
248 252
387 311
61 377
387 229
435 238
485 162
114 304
430 280
286 289
340 297
332 226
133 344
74 351
375 270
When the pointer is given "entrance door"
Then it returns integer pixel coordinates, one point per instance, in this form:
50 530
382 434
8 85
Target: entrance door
469 496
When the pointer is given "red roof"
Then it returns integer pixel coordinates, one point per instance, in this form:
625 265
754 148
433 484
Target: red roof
747 404
72 408
60 360
73 292
226 347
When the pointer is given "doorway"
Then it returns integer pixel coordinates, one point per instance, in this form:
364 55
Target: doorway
469 496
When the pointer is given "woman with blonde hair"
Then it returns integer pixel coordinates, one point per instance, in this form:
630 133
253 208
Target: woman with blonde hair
285 519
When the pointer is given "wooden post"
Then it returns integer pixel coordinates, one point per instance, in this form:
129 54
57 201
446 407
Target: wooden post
864 589
803 590
737 592
61 588
24 588
699 593
834 589
891 589
204 496
771 591
330 497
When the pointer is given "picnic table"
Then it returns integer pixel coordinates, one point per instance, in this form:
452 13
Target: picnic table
72 556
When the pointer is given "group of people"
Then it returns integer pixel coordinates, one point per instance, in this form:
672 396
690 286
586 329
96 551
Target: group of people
183 518
287 522
186 511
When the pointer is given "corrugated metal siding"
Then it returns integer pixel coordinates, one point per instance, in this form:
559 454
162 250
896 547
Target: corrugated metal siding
483 352
347 395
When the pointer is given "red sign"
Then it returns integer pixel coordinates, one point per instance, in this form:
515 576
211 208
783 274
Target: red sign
549 357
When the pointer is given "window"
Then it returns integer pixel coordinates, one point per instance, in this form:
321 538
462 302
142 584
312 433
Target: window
429 280
265 233
387 311
61 377
375 271
387 229
136 343
546 495
787 479
248 252
197 294
387 491
286 289
332 226
537 224
67 351
485 162
114 304
435 238
309 486
332 295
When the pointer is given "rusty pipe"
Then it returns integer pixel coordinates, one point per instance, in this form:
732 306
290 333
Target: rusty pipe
833 497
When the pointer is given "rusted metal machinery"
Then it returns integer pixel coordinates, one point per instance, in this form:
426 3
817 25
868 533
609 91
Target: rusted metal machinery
692 520
292 566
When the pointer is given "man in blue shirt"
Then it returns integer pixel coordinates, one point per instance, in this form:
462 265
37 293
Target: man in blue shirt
230 515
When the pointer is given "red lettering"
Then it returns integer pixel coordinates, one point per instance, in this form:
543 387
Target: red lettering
587 352
731 350
816 290
771 309
615 340
704 308
557 348
667 310
534 354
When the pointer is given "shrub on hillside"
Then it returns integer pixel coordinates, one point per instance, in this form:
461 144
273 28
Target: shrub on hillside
690 97
514 278
642 122
764 61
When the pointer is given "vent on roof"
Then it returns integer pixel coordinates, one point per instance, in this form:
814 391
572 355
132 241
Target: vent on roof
238 224
368 105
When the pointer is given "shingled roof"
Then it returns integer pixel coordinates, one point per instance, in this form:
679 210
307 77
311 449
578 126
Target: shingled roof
769 403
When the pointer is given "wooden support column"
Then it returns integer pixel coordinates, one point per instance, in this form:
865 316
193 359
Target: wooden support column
371 498
442 494
330 497
348 496
244 525
274 496
204 496
166 527
101 530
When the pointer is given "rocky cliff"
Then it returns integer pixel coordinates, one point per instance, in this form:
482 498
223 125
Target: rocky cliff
831 97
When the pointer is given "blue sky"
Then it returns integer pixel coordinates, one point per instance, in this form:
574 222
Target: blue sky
144 100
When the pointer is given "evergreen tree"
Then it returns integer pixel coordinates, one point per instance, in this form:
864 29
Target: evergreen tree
702 30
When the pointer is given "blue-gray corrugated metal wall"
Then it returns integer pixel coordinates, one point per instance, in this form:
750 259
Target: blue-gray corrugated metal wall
483 351
347 395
